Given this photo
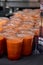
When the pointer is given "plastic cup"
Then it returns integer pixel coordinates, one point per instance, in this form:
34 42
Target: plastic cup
14 47
1 45
27 43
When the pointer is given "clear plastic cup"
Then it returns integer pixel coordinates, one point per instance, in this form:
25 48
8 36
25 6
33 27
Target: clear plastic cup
27 43
2 40
14 47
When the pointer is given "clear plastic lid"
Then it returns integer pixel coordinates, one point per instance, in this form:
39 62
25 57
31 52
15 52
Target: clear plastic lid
28 23
16 22
19 15
9 34
27 10
20 35
3 21
25 34
13 38
27 27
18 12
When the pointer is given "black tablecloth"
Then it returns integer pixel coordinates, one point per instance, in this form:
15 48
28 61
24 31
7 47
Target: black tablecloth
30 60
